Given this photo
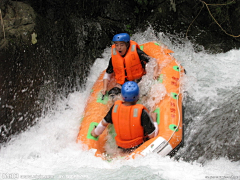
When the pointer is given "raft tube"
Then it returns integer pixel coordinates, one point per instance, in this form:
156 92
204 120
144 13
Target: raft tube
169 109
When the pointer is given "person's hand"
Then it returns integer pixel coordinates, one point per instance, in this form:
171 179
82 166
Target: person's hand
93 133
155 76
104 91
156 72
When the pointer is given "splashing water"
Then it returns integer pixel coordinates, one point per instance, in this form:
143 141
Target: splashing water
151 92
49 149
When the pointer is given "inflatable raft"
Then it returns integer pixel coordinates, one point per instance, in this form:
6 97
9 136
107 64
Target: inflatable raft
168 109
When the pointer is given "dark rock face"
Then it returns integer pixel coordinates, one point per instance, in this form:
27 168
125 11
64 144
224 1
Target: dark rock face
47 46
19 77
192 19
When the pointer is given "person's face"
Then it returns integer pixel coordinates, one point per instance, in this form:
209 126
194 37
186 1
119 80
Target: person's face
121 47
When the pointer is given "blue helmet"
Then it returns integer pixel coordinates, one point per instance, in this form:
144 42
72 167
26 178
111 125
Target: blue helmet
121 37
130 91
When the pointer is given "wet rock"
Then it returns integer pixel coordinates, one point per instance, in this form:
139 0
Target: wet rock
18 22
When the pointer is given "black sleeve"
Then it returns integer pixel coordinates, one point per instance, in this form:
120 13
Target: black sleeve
110 67
147 123
144 58
108 117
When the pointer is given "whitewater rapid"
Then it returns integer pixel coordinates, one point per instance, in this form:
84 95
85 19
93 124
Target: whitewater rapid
49 150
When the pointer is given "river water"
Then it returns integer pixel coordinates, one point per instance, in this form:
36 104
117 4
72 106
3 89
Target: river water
211 149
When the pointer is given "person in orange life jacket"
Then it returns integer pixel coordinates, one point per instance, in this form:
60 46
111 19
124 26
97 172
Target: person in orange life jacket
131 121
127 62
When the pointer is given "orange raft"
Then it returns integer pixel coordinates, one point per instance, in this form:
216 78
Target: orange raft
169 109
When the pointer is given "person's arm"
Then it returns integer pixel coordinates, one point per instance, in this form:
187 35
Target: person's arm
99 129
156 74
107 76
103 124
144 58
154 119
106 80
149 124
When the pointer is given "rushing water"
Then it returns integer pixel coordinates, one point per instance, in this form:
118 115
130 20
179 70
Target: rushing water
211 139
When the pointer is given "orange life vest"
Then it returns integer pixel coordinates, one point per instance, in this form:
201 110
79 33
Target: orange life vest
131 63
127 124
